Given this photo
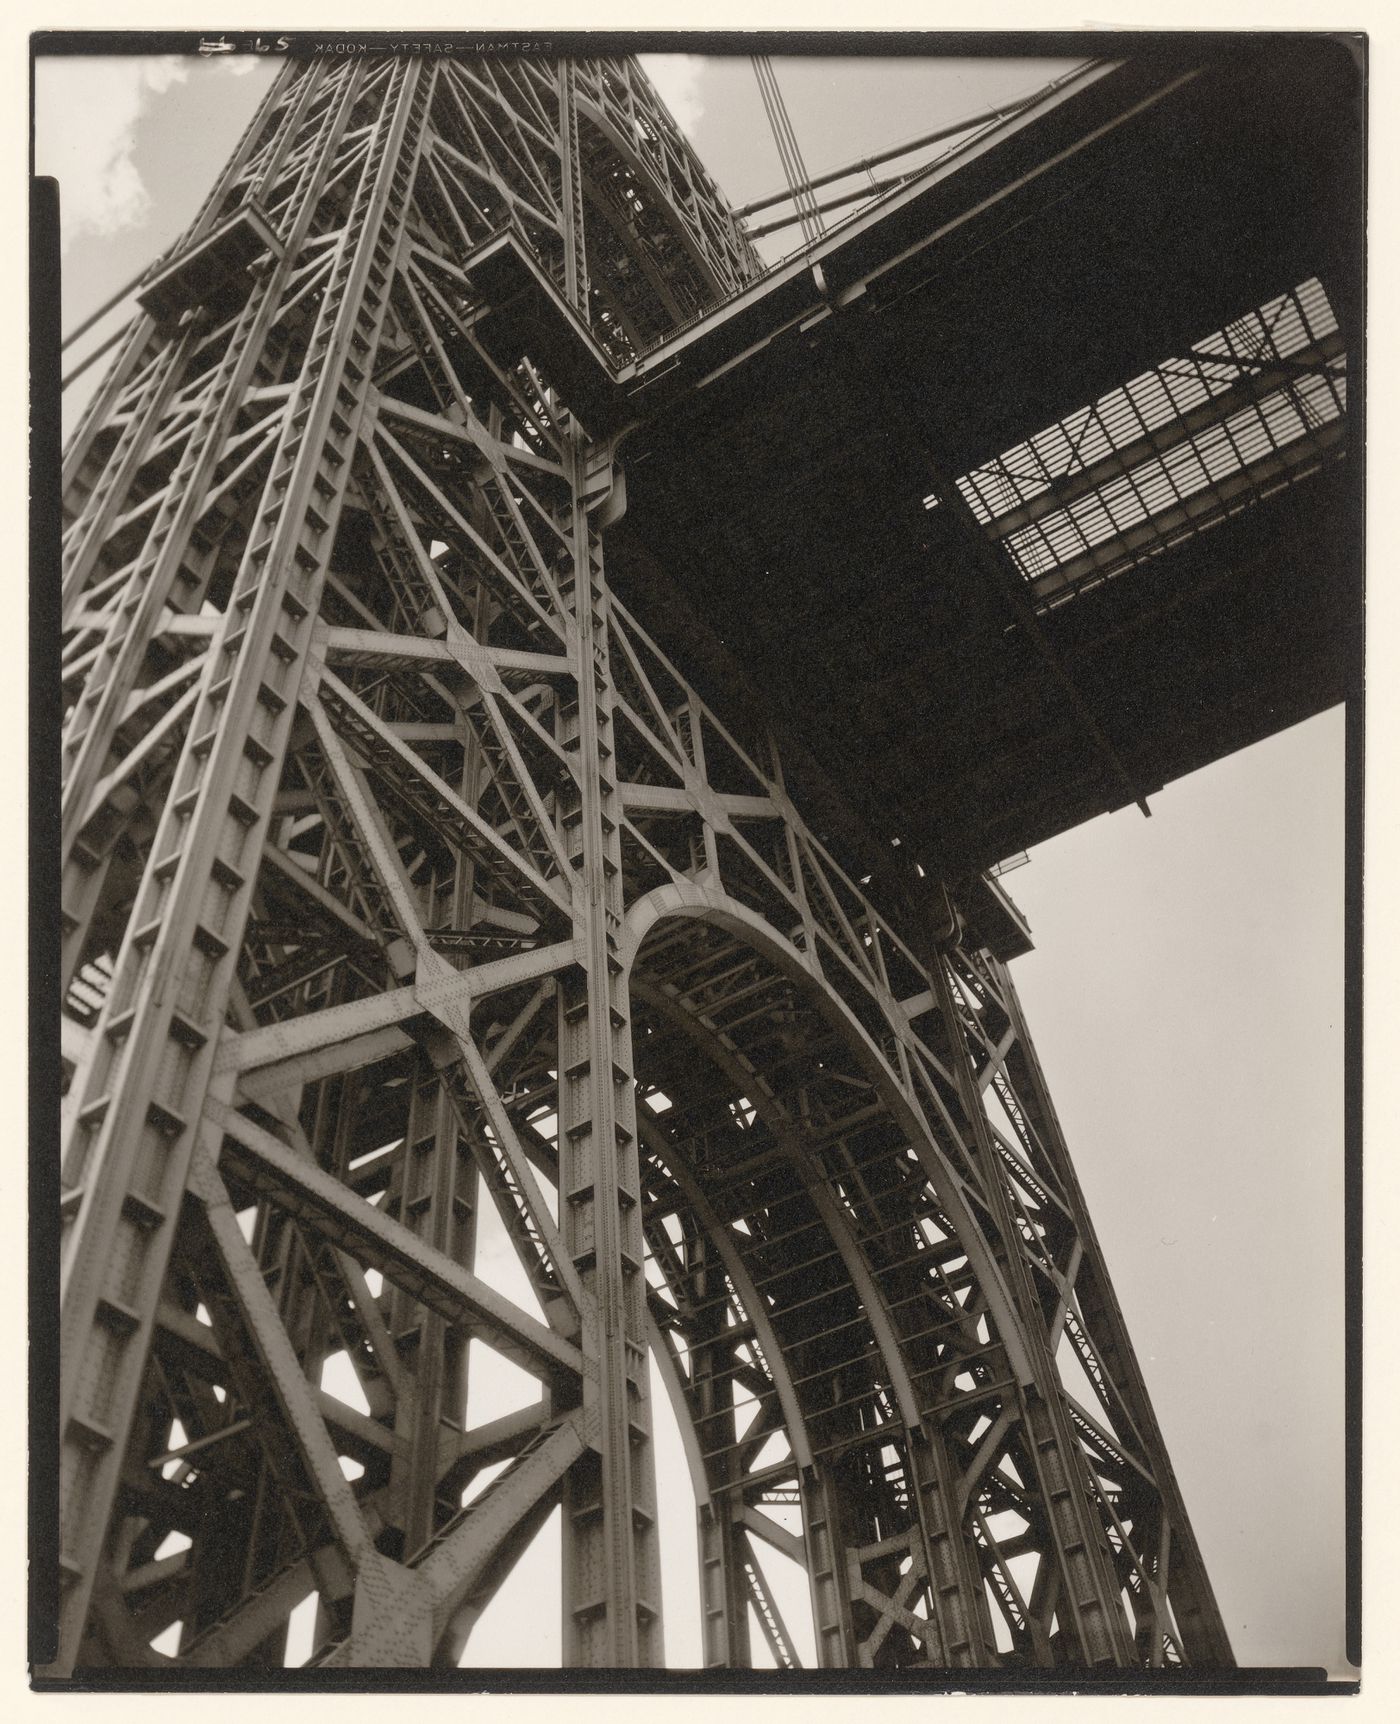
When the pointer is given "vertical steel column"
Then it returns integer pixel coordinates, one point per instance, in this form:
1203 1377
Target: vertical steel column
959 1605
148 589
432 1356
612 1610
724 1608
724 1623
1093 1610
824 1536
571 191
128 1163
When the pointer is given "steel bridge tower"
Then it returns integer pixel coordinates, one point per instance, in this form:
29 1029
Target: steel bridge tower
402 875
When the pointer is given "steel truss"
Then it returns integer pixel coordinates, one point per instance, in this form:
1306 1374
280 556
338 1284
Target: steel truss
400 867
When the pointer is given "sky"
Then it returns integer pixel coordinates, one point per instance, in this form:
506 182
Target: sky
1185 991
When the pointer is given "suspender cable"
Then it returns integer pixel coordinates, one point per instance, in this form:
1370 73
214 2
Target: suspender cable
789 151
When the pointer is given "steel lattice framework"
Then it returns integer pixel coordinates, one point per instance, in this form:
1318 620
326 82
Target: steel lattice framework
404 874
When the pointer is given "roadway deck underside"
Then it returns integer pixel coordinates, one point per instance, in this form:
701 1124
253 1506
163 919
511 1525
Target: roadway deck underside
791 439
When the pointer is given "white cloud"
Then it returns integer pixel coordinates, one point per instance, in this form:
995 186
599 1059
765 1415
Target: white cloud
86 116
677 80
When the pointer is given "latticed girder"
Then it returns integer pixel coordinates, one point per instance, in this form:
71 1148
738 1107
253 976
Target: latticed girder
404 875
